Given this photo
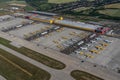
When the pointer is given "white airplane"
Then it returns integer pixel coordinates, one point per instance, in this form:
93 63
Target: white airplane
93 41
108 41
98 38
88 45
83 48
77 52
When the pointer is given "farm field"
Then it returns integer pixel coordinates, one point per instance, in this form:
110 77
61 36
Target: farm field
117 5
60 1
111 12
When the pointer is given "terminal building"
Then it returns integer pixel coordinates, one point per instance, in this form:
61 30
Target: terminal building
55 19
83 26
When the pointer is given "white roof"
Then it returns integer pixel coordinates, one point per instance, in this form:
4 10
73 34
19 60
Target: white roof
78 24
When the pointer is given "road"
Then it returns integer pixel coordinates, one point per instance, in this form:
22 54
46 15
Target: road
2 78
71 63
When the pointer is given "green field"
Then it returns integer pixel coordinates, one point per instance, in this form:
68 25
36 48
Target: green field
80 75
116 5
35 55
17 2
60 1
111 12
63 1
81 9
14 68
4 4
4 13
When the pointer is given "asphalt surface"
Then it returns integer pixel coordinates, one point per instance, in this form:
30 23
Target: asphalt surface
71 63
2 78
56 74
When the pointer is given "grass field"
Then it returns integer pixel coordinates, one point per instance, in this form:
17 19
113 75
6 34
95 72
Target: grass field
111 12
81 9
14 68
60 1
35 55
4 13
80 75
17 2
117 5
63 1
5 5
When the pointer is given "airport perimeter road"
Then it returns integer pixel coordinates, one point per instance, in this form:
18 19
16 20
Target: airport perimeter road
71 63
2 78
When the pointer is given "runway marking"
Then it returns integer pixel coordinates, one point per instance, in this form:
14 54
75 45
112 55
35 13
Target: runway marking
25 71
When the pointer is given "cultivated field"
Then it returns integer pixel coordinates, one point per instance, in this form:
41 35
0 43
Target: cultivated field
110 12
117 5
60 1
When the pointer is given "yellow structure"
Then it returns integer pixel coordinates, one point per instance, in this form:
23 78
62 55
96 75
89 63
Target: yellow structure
94 51
99 47
104 44
41 20
55 41
81 53
62 28
51 21
73 33
59 46
56 20
63 37
88 55
61 18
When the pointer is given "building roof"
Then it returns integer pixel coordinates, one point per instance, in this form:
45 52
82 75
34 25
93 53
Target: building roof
79 24
43 13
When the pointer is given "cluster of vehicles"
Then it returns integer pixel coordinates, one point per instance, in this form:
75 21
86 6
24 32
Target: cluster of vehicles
42 33
65 42
94 46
